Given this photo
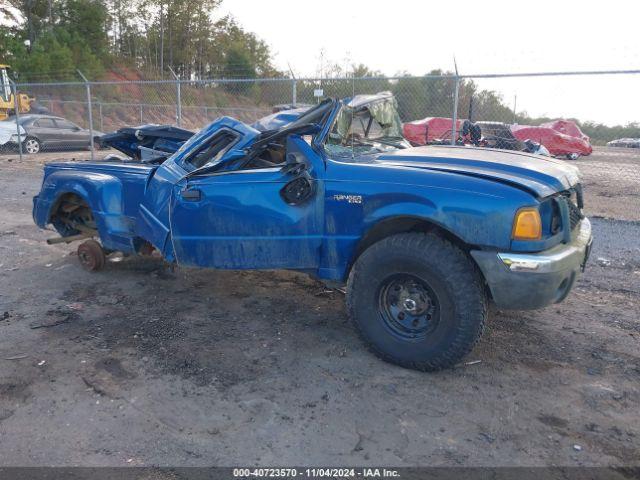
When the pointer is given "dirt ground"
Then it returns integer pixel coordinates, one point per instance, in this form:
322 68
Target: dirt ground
141 365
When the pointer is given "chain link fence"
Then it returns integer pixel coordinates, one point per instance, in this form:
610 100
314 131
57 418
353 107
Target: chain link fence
437 105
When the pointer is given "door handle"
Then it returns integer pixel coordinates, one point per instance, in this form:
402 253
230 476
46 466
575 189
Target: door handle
191 195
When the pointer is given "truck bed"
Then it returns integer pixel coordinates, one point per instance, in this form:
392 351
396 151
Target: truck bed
113 191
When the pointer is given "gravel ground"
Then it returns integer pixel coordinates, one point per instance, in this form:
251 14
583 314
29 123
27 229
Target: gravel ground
144 365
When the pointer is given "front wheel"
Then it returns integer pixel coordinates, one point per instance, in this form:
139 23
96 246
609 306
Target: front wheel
32 145
417 301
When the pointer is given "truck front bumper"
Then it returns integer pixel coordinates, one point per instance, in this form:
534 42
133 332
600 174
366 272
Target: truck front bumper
526 281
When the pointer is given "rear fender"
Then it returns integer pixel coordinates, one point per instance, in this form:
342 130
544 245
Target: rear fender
103 194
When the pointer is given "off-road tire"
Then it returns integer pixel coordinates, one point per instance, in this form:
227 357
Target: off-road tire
452 278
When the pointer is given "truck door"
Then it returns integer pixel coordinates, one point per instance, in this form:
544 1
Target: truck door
252 217
153 222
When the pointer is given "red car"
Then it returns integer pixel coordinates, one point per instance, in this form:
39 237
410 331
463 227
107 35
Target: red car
561 138
429 130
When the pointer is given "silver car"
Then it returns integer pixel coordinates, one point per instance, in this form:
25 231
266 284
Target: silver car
50 132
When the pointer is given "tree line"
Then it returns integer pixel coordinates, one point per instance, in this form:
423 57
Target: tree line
50 39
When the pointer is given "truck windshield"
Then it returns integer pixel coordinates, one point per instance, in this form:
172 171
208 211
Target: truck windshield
363 127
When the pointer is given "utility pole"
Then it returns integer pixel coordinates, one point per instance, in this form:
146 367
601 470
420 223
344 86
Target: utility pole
16 106
321 65
161 38
178 97
454 123
294 86
87 85
321 74
454 116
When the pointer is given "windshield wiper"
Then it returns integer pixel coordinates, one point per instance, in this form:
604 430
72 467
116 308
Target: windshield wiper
379 141
391 141
358 141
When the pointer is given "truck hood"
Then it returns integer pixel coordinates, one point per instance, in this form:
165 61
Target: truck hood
542 176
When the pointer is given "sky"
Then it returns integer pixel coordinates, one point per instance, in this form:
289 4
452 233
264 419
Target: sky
489 36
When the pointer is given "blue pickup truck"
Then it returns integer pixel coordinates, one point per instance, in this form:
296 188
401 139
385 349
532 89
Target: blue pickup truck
424 238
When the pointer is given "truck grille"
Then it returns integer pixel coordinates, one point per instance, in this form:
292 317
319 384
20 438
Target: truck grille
575 215
573 199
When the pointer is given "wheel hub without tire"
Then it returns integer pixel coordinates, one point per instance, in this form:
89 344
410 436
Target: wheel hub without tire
408 306
91 256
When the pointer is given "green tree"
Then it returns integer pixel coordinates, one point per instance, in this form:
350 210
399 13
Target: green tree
85 21
238 63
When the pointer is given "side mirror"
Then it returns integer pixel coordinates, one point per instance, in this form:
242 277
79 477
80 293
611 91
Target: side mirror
295 164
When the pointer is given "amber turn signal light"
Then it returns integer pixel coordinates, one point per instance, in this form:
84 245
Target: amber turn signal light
527 225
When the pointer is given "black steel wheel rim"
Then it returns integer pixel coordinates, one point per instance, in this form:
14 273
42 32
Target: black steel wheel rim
408 307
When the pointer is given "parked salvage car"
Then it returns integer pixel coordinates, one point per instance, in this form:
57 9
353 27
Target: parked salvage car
147 143
48 132
500 135
625 143
9 135
430 130
558 143
437 131
561 138
422 237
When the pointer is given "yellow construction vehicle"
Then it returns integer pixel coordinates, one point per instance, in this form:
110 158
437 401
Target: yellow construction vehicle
7 101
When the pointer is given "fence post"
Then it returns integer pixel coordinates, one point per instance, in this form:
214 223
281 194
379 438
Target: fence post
87 85
455 111
101 119
141 116
294 92
16 105
178 98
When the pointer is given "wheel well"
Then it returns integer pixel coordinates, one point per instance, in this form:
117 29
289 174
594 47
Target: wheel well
405 224
71 214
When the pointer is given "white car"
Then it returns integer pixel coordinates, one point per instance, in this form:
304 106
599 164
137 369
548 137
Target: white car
9 135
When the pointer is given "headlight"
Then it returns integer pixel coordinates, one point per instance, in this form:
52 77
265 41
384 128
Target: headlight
527 225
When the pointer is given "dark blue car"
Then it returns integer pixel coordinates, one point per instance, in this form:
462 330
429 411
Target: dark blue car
423 237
